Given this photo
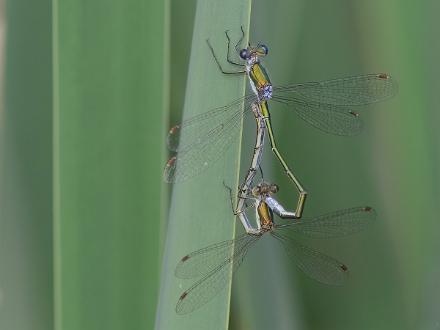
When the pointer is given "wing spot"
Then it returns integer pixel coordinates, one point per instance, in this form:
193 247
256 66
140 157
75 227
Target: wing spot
174 129
183 296
354 113
383 76
171 161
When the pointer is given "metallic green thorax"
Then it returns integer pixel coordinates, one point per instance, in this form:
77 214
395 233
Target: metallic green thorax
259 77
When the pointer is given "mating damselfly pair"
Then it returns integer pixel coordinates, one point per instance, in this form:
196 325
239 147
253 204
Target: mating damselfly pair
326 105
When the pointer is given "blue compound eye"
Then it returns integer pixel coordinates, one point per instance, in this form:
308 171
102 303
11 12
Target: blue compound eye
244 54
264 49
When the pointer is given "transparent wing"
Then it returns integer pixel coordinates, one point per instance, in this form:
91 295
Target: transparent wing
203 261
348 91
210 285
326 104
190 132
329 118
335 224
315 264
203 139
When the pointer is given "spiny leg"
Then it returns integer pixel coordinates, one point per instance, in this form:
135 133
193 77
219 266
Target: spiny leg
218 62
241 39
231 199
228 55
241 213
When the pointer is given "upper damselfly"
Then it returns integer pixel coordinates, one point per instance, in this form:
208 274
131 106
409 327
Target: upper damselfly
327 105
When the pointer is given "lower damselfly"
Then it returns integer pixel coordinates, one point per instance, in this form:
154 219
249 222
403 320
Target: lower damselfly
214 264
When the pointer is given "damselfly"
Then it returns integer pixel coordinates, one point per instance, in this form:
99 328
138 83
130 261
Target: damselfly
201 140
214 264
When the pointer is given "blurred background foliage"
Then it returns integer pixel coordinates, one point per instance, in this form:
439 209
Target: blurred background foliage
26 277
82 133
109 280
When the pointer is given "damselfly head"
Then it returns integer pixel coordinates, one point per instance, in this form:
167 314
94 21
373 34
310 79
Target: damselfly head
258 51
265 188
274 188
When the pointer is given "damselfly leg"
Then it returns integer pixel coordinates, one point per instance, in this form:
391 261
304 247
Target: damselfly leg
228 59
228 56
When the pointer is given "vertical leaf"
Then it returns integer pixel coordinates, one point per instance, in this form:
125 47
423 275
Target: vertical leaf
274 288
200 210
